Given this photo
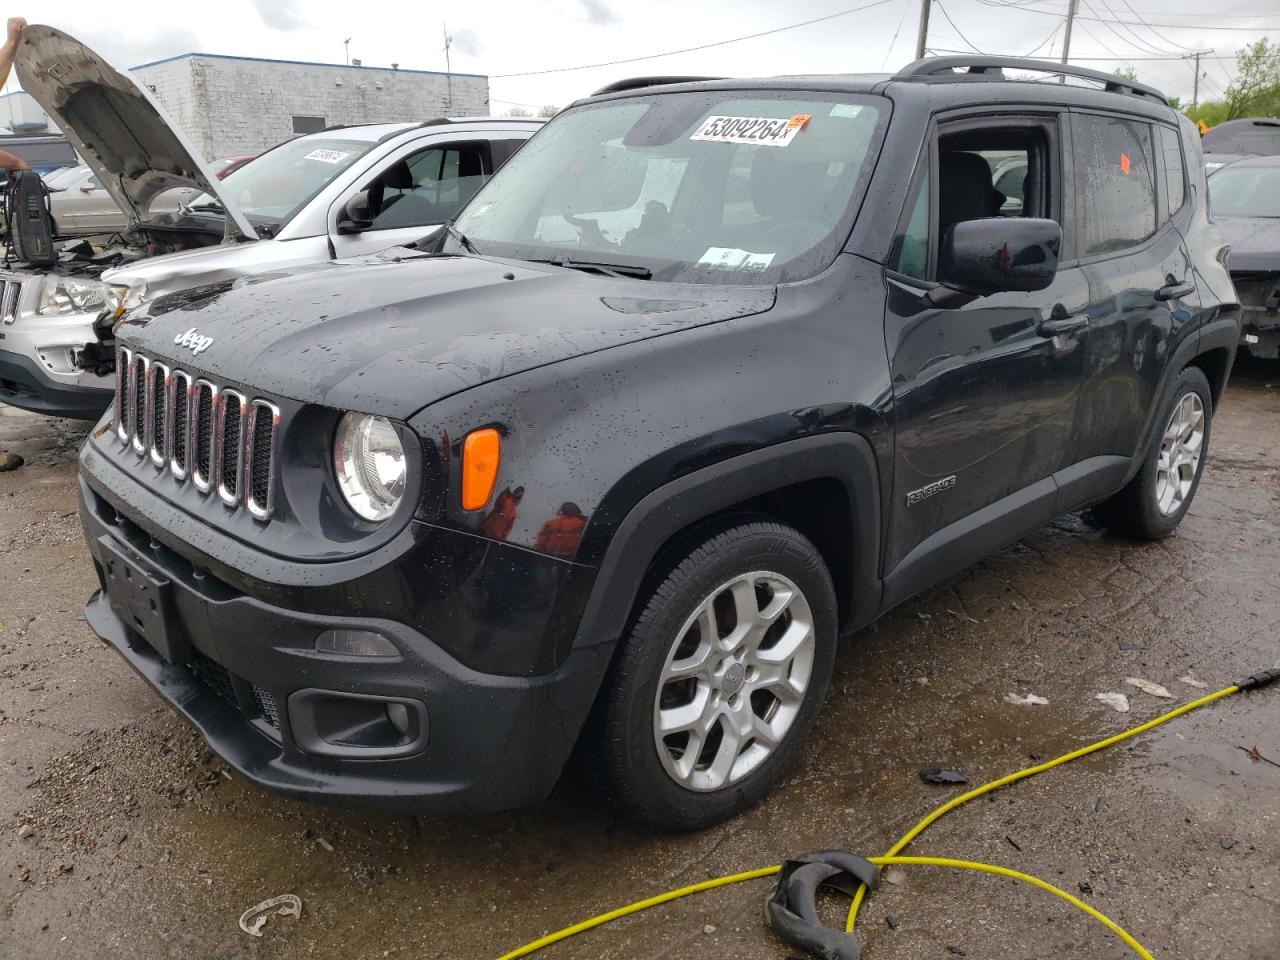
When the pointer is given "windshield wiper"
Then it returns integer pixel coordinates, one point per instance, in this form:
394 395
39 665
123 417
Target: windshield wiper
633 271
463 242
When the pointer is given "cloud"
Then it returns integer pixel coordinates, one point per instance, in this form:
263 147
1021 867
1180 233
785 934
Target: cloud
466 42
129 49
280 14
599 13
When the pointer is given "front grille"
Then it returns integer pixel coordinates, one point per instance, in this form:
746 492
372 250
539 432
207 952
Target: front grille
193 428
158 412
12 289
214 675
267 706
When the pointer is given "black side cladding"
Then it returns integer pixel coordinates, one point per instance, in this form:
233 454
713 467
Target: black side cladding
792 908
29 220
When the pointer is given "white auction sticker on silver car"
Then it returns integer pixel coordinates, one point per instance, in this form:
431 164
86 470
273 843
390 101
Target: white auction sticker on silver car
764 131
327 156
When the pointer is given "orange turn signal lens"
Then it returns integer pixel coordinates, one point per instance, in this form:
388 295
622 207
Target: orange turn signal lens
481 452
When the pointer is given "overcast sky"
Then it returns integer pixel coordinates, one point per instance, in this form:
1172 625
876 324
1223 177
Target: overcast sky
498 37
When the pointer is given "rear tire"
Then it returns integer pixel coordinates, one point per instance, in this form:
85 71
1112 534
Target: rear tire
1154 502
719 679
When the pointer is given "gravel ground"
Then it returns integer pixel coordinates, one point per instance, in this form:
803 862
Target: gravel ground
121 835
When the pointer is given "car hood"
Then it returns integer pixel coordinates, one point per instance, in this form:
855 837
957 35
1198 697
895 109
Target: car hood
115 125
387 335
1255 242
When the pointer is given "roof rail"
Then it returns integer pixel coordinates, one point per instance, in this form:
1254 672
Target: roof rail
994 67
636 83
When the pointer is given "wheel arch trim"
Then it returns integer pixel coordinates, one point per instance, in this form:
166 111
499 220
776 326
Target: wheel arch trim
675 506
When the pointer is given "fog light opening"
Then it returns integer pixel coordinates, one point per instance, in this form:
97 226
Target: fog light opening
398 717
356 643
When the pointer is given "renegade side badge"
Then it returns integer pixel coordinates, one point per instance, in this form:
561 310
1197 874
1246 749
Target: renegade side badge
925 492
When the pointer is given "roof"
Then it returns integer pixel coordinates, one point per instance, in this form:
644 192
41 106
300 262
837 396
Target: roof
306 63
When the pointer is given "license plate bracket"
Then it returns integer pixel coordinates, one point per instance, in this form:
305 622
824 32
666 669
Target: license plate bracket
144 602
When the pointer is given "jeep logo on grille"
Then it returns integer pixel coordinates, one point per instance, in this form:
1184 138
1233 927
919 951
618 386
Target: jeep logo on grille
193 341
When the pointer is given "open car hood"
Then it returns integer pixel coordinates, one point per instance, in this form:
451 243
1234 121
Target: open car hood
115 125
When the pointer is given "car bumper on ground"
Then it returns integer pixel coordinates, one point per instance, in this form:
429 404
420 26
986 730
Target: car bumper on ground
247 675
24 384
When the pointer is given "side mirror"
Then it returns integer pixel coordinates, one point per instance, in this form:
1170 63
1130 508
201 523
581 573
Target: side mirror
355 216
1000 254
87 188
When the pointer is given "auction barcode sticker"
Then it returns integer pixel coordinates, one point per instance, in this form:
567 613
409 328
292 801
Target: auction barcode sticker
765 131
327 156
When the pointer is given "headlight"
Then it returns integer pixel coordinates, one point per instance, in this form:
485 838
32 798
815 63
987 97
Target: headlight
63 295
369 462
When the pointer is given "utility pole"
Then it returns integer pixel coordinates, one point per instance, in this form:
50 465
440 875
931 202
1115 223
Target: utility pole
924 29
448 67
346 49
1066 40
1195 95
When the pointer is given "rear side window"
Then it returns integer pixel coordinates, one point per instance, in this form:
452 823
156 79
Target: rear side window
1175 190
1116 182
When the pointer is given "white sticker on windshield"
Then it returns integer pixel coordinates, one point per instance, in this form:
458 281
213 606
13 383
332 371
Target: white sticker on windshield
846 110
327 156
764 131
731 258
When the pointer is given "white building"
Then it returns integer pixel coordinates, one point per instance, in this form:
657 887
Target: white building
236 105
19 114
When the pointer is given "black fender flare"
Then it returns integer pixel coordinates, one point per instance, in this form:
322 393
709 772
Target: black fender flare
671 508
1222 332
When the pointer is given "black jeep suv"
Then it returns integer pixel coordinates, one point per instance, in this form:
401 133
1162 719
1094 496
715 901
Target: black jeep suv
710 373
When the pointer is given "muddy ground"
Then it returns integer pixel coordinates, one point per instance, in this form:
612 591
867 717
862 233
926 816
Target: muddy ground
122 836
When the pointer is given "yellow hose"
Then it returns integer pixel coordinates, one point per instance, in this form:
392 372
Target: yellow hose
893 856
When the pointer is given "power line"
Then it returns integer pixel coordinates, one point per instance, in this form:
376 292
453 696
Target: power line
1167 26
1036 49
1145 45
1164 13
701 46
954 27
906 8
1092 36
1154 31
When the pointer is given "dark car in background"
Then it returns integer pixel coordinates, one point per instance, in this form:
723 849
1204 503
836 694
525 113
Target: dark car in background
1245 199
1233 139
44 153
706 376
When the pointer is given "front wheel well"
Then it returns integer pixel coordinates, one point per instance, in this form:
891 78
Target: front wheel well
820 509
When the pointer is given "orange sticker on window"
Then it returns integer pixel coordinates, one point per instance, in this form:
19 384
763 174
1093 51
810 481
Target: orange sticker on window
1124 164
799 120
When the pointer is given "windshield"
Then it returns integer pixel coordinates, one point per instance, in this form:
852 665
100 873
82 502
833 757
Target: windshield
60 178
710 187
1245 191
274 187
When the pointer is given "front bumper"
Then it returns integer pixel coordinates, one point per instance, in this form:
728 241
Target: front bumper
25 384
244 672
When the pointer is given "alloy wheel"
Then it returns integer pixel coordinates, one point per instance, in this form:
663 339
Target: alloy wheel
734 681
1180 451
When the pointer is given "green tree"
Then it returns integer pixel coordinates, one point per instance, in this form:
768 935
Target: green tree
1255 91
518 112
550 110
1127 73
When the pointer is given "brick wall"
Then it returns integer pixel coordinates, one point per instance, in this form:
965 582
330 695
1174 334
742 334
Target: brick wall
232 106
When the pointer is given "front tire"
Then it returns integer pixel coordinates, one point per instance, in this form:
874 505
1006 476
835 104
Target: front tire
719 679
1154 502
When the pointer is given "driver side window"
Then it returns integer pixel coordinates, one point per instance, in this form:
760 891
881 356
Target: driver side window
428 187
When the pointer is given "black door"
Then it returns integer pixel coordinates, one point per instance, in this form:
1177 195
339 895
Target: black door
1130 190
985 391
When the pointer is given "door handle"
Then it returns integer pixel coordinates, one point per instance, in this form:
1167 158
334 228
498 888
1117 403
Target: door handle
1059 325
1172 291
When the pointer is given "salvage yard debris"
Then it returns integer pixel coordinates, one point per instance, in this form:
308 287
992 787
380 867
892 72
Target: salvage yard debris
1146 686
1117 701
289 904
1029 700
